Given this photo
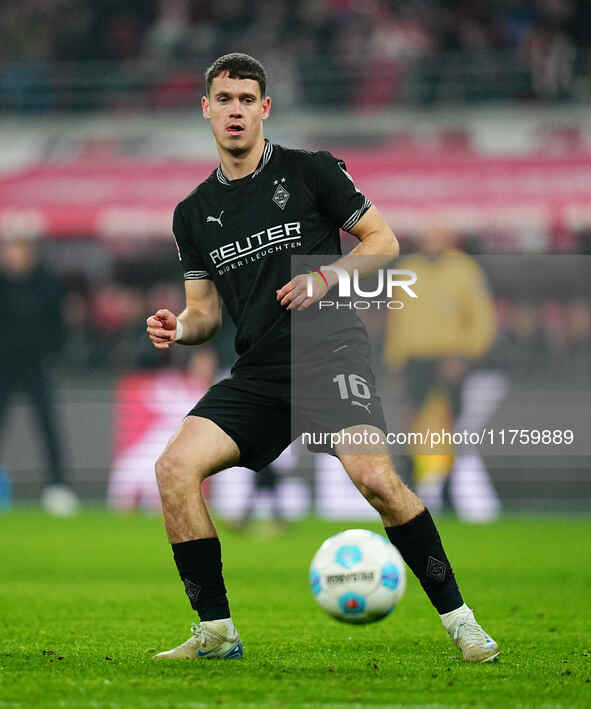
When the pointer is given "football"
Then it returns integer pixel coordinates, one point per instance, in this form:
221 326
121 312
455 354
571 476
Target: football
357 576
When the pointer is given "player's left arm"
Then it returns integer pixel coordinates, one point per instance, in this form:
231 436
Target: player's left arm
377 246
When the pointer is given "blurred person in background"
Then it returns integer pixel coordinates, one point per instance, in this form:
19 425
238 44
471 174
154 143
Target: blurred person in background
31 307
78 353
169 36
437 340
523 347
262 514
578 341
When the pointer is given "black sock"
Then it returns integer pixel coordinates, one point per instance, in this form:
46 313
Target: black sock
200 567
419 543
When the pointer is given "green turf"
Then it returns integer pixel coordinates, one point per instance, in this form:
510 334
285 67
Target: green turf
85 602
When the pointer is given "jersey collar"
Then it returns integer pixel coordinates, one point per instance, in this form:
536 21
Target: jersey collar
265 157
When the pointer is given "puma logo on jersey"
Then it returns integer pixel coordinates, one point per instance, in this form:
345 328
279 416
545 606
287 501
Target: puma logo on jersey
216 219
365 406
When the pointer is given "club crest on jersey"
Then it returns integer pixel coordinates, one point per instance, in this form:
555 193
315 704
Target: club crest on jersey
216 219
281 195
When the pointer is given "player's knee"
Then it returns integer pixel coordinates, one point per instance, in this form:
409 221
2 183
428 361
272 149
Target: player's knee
377 482
171 472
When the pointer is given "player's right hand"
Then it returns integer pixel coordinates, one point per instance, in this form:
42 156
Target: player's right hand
161 329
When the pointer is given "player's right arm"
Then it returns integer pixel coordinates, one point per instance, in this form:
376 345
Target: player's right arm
200 320
202 316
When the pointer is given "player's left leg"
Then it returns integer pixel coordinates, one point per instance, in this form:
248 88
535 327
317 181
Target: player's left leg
411 529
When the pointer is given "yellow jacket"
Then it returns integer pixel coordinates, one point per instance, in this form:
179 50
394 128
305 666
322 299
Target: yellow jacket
453 315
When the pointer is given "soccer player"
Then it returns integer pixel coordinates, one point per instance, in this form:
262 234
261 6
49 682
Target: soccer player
235 234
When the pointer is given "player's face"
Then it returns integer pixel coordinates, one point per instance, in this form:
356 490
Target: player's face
235 109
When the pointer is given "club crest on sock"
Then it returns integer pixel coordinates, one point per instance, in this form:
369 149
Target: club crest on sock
436 569
192 590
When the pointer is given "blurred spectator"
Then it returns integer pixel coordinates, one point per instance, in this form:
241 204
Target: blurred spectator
515 21
30 306
25 33
79 351
396 36
170 34
578 342
73 32
524 348
551 59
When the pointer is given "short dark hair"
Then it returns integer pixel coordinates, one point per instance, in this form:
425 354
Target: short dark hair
238 66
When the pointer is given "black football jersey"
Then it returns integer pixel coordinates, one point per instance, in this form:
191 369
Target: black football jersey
241 234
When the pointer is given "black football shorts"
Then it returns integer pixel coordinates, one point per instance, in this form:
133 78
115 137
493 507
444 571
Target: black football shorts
318 398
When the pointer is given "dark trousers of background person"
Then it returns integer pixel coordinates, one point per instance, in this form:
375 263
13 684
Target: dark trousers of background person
422 378
463 483
266 480
32 379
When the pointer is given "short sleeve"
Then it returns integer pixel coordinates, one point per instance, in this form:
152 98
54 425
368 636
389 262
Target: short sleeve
189 256
338 196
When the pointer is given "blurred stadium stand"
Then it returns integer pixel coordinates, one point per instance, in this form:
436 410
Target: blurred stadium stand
80 55
472 115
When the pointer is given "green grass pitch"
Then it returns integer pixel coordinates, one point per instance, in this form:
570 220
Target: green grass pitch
85 602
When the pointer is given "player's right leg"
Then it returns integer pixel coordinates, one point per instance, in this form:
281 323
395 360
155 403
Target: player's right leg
199 449
239 420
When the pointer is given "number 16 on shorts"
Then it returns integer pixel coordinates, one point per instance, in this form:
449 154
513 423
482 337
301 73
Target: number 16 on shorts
353 387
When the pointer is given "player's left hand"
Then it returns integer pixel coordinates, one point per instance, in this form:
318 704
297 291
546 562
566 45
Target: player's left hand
294 294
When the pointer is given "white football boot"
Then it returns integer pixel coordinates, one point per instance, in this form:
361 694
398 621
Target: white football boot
476 645
212 639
